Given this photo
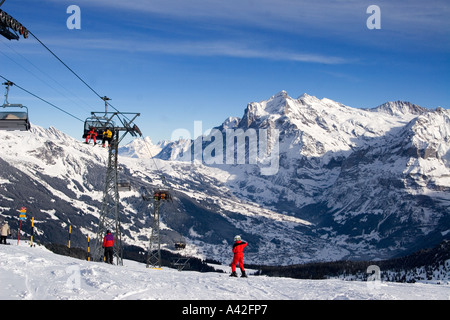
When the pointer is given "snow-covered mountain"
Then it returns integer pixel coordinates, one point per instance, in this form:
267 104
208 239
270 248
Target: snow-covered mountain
376 180
343 183
142 148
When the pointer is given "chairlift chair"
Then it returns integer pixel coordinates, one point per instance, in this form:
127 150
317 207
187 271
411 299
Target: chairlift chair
124 186
99 124
180 245
14 120
159 195
10 117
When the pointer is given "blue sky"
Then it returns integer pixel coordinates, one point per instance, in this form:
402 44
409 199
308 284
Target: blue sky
180 61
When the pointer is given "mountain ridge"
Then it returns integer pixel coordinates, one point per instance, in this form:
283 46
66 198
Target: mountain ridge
324 141
348 185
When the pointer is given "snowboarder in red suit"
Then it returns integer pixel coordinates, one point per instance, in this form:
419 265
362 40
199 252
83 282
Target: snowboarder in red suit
238 258
108 243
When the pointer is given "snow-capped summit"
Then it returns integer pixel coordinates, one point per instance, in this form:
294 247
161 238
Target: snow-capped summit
141 148
231 122
400 108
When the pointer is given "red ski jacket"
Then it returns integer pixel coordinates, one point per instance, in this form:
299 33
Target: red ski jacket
238 248
108 240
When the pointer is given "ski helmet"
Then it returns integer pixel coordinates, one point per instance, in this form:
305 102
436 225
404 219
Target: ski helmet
237 238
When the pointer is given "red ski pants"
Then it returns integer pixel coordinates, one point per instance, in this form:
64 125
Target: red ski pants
91 137
237 259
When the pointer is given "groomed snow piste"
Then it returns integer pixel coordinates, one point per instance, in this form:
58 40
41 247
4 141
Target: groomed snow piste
35 273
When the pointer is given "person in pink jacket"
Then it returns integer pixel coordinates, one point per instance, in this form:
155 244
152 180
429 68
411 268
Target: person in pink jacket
108 244
238 258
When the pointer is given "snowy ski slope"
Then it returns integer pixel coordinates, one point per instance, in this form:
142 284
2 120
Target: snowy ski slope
37 274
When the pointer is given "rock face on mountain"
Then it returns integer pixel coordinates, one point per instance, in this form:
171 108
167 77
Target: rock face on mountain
376 180
303 179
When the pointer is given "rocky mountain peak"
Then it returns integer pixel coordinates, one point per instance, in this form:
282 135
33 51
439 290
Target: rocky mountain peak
400 108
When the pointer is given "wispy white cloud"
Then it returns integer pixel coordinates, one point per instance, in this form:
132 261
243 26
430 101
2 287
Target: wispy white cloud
205 48
236 49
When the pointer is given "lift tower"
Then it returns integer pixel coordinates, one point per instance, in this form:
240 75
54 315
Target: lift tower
154 248
110 211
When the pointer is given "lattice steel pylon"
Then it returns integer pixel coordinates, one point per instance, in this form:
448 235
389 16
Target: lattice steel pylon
110 211
154 248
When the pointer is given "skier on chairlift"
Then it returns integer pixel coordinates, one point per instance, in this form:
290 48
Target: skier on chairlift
238 258
107 136
92 134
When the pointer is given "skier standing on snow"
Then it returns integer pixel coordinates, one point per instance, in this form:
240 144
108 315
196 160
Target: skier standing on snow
5 231
238 258
108 243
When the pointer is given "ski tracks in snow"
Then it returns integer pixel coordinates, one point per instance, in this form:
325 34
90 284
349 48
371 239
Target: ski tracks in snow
38 274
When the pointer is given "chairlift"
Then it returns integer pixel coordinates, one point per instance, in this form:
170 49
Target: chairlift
99 124
124 185
13 116
180 245
161 195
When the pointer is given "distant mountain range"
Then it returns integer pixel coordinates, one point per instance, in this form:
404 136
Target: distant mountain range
301 180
